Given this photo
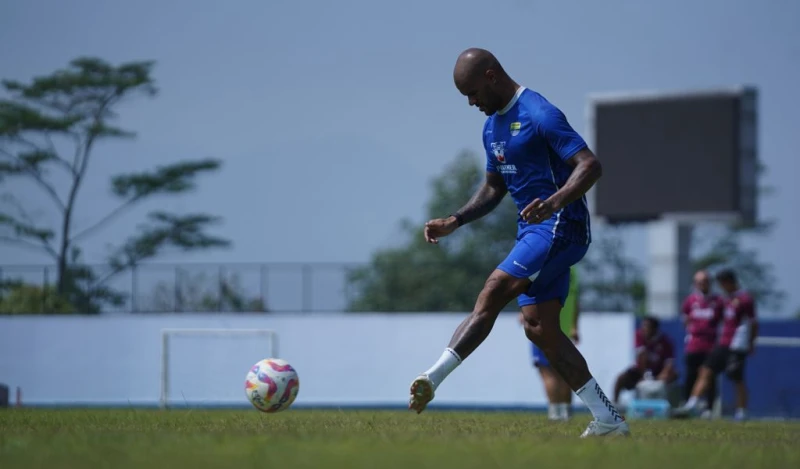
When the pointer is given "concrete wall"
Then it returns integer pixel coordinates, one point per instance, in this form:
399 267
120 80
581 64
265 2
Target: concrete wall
367 359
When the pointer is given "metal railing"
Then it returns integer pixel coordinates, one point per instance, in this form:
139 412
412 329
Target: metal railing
284 287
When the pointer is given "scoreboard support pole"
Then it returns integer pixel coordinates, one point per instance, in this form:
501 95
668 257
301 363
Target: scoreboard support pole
669 275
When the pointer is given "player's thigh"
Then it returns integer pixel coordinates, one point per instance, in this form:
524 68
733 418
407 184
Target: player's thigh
551 284
630 378
528 256
717 359
735 366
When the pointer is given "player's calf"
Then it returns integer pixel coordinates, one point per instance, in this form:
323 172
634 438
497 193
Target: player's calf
542 327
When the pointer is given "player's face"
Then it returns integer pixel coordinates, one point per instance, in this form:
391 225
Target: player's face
702 283
728 287
648 330
479 90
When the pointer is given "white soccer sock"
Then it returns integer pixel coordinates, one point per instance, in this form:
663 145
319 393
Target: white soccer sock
595 399
448 362
563 410
691 403
552 411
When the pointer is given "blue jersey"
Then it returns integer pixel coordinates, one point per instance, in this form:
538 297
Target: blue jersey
528 143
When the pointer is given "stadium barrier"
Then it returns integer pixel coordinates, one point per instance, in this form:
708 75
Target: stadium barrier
358 360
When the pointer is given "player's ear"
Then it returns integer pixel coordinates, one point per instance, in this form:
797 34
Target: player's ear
491 77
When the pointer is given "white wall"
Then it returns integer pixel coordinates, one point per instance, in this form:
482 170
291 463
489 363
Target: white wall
341 359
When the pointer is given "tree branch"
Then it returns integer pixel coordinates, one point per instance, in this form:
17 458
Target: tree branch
36 177
117 211
30 245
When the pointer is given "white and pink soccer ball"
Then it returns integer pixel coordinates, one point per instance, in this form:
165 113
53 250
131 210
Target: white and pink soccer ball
272 385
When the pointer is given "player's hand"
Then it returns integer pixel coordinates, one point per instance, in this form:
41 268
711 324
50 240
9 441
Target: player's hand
573 334
439 228
538 211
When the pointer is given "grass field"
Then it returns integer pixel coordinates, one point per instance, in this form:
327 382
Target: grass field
35 438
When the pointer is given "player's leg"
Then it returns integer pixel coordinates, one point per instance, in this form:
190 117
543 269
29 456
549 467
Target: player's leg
500 288
735 373
541 308
508 281
693 363
564 396
715 364
627 381
551 382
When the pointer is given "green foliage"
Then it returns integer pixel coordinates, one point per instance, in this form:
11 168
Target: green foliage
19 298
49 129
611 281
726 250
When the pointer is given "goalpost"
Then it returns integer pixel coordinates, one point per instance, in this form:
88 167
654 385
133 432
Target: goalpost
167 334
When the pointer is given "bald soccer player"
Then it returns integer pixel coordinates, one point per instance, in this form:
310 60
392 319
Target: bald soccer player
532 153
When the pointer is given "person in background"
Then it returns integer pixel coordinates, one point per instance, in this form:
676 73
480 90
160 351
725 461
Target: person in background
654 358
701 313
737 341
559 394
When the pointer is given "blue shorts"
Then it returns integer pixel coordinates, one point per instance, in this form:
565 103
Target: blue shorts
539 359
545 260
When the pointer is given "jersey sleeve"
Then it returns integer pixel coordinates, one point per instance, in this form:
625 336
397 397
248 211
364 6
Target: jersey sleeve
638 343
559 134
491 166
748 308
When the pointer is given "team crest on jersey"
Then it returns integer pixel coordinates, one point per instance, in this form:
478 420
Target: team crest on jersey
499 150
515 126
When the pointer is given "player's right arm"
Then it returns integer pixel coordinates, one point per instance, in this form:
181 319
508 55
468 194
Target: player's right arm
484 200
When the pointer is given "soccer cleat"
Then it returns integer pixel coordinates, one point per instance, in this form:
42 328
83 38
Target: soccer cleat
421 393
598 428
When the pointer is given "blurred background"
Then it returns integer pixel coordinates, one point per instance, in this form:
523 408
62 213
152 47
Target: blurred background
269 165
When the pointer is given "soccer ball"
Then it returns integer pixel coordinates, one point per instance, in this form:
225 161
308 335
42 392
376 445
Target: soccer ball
272 385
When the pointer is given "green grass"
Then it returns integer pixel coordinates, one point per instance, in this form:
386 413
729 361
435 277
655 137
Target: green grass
118 439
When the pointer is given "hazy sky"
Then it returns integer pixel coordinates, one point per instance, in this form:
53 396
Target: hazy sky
332 117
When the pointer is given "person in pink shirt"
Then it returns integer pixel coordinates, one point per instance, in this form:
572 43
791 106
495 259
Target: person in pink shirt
654 354
701 313
736 342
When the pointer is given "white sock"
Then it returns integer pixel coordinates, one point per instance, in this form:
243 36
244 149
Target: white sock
562 409
741 413
595 399
691 403
552 411
448 362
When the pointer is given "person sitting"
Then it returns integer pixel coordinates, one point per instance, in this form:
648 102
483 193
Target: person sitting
654 369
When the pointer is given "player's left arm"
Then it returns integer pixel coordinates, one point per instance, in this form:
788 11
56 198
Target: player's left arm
572 149
751 314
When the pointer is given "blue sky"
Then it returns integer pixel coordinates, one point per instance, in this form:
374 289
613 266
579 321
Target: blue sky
332 117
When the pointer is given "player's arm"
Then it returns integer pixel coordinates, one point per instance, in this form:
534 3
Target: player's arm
484 200
572 149
751 312
587 171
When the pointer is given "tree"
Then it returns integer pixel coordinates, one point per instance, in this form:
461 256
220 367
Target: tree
49 131
417 276
725 249
611 281
723 246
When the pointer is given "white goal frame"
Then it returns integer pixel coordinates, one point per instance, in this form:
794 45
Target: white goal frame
168 333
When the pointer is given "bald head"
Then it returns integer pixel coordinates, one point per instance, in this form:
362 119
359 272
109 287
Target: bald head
473 63
479 76
702 281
